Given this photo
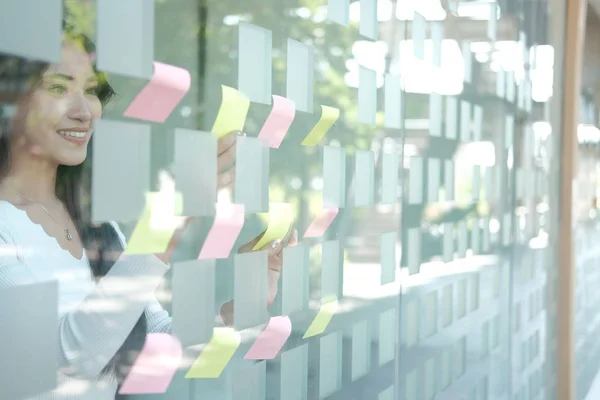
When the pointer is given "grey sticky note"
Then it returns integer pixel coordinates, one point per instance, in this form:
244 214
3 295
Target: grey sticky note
338 11
393 101
26 31
331 270
419 33
252 174
361 349
249 382
510 86
367 95
387 394
388 257
451 111
368 18
255 47
465 121
250 289
476 185
448 245
334 176
387 336
437 37
125 43
414 250
193 301
294 373
330 364
435 114
390 163
449 180
468 61
433 179
196 171
364 183
29 346
122 170
294 279
462 239
415 189
300 75
477 122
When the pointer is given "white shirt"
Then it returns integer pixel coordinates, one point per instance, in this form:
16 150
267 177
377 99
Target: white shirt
94 318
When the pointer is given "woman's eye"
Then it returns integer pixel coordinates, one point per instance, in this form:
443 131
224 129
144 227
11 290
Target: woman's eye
57 89
93 91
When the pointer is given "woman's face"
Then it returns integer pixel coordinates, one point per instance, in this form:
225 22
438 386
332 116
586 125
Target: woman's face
55 120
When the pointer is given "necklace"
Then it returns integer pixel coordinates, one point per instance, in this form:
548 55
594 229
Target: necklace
67 232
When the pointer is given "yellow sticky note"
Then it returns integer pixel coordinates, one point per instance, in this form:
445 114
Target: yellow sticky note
232 113
281 217
322 319
217 353
155 228
328 117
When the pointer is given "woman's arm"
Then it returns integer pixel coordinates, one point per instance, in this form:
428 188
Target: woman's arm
91 334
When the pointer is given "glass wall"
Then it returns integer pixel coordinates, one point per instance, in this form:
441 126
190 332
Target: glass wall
355 199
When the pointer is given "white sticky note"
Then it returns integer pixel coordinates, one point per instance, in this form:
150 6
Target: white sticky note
122 169
252 174
520 183
476 185
364 182
387 257
410 322
27 31
390 164
415 188
449 180
294 279
489 183
330 364
462 239
196 171
435 114
250 289
506 229
361 349
294 373
334 176
477 122
451 112
125 43
510 86
501 83
368 19
465 121
393 101
433 179
437 37
475 237
492 27
485 231
468 61
414 251
338 11
448 245
419 33
331 270
254 62
509 130
367 96
300 75
387 336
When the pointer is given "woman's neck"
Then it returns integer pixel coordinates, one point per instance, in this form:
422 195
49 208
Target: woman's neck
33 179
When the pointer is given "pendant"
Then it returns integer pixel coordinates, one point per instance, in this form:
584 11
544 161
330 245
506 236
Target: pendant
69 236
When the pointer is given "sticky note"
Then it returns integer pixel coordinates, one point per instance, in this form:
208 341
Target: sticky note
295 279
271 340
361 349
278 122
367 95
300 74
215 356
250 289
414 251
334 176
465 121
437 37
477 122
433 181
468 61
281 218
232 113
255 45
252 174
155 367
387 256
338 11
157 224
451 113
294 373
364 178
492 27
125 37
448 245
328 117
330 365
419 33
393 101
387 336
196 171
29 356
35 35
448 180
435 114
368 19
156 101
415 188
248 382
224 231
122 169
390 179
331 269
321 222
324 316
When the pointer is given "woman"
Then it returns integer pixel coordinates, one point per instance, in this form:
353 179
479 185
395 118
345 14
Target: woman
43 146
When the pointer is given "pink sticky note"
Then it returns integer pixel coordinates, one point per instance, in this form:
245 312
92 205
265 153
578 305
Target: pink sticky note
321 222
161 95
271 341
228 223
277 124
155 367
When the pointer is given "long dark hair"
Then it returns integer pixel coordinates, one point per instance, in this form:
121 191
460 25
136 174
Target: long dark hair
72 186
